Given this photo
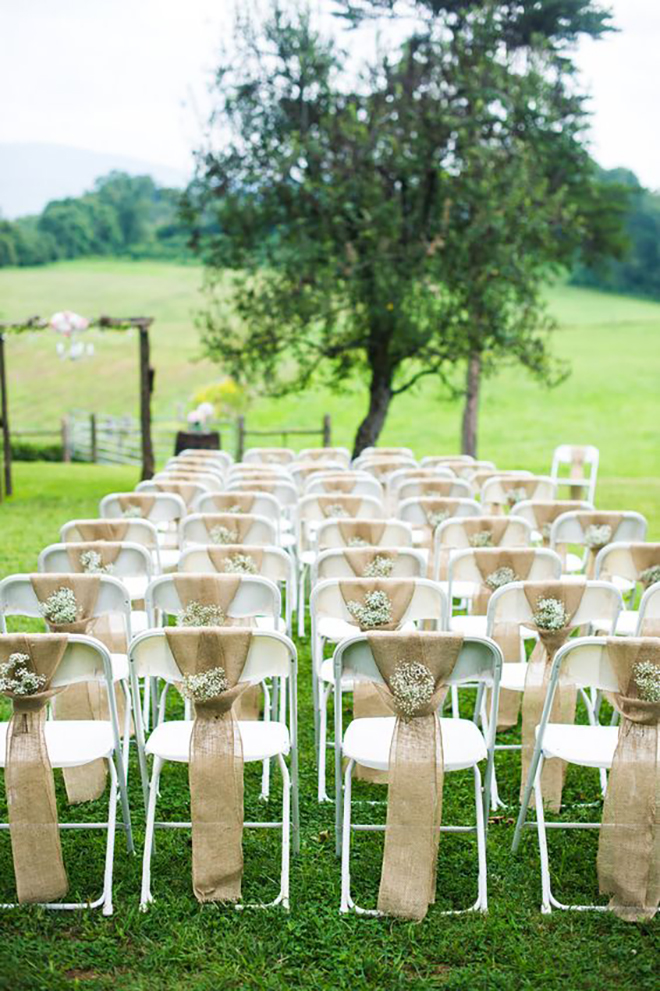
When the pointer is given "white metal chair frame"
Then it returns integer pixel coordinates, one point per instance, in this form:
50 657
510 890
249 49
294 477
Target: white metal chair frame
586 661
562 455
480 661
649 607
272 655
428 602
86 659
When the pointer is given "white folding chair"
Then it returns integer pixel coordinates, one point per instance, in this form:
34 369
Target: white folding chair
586 663
209 481
325 453
194 529
452 535
222 458
363 484
166 511
616 563
332 623
386 452
433 460
189 465
582 465
138 531
193 489
262 504
384 468
407 563
74 743
367 742
300 471
415 512
269 455
271 656
571 528
495 496
133 566
535 511
448 488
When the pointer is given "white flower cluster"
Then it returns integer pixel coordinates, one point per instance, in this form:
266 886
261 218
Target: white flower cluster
240 564
60 607
376 610
550 614
132 513
650 575
93 564
195 614
380 567
358 542
545 531
16 677
337 511
412 686
436 517
205 685
501 576
223 535
482 538
234 509
646 676
515 495
597 536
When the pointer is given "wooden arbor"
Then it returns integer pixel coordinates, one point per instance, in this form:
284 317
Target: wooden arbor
146 383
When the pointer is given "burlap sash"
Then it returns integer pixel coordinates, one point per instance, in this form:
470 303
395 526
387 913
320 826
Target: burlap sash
238 523
576 471
215 770
86 700
137 500
366 700
220 555
370 531
306 468
437 487
338 483
629 843
644 556
537 677
321 453
187 490
225 501
359 559
546 512
112 531
387 466
350 504
496 526
511 483
430 505
586 518
416 773
275 457
33 823
107 551
260 484
506 635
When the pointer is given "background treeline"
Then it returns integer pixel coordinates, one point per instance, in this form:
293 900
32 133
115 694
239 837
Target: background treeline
124 215
131 216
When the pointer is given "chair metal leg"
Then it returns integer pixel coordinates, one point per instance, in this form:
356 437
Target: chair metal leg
146 897
110 841
323 742
546 906
346 843
286 831
479 805
524 805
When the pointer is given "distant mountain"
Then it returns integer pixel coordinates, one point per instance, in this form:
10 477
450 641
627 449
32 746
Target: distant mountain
33 174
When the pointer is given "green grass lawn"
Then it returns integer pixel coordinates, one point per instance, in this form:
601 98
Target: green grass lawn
177 944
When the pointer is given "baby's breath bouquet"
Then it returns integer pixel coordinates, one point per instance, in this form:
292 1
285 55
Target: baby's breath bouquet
358 542
650 575
234 509
60 607
16 678
598 535
550 614
436 517
132 513
380 567
240 564
412 686
223 535
376 610
482 538
92 564
501 576
646 676
206 685
196 614
336 511
518 494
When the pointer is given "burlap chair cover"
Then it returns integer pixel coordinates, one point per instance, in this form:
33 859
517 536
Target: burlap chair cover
537 677
225 501
219 556
370 531
416 773
86 700
506 635
586 518
359 559
644 556
112 531
215 769
338 483
187 490
32 807
238 523
107 551
366 700
350 504
137 500
629 842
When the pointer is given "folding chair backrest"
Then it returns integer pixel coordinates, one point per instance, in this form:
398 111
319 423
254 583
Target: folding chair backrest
449 488
244 470
402 476
396 533
576 466
222 458
264 504
428 601
325 453
479 478
276 564
133 560
18 598
271 655
84 659
194 530
452 533
384 468
415 510
269 455
648 617
191 466
208 480
254 597
386 452
193 489
362 484
532 487
432 460
138 531
280 488
617 560
167 507
302 471
469 469
408 563
546 566
533 510
600 605
585 661
570 528
310 510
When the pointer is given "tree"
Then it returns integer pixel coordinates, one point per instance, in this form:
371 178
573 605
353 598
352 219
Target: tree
393 223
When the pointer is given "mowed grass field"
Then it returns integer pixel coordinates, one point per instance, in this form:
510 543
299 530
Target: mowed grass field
179 944
611 399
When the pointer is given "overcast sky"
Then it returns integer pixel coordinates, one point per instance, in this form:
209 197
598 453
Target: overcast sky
131 77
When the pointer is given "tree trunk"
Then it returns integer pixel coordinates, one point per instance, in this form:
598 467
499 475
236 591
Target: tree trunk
380 397
471 408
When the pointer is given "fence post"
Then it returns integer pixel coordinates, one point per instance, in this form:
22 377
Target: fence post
327 430
66 438
240 440
93 453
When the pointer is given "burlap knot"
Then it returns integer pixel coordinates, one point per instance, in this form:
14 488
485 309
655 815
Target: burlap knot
187 490
215 770
86 700
370 531
537 676
33 824
587 518
224 501
220 590
238 523
629 842
137 500
416 773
